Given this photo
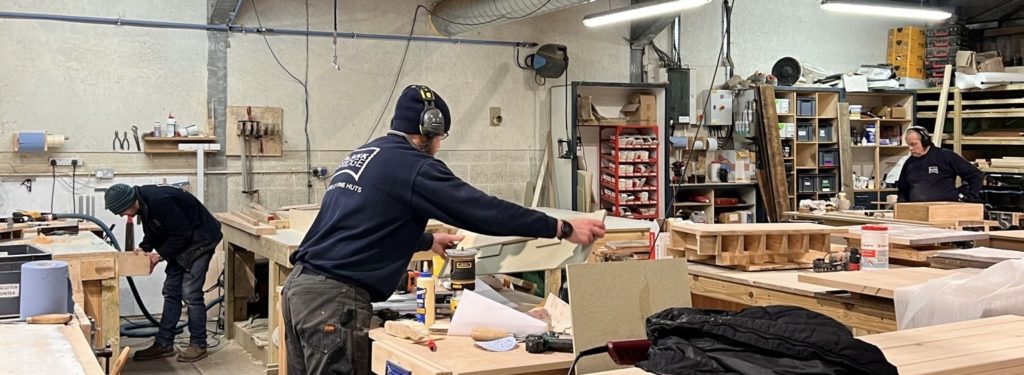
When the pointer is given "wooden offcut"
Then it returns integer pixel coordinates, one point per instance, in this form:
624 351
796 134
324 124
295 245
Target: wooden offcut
771 172
606 305
235 220
881 283
939 211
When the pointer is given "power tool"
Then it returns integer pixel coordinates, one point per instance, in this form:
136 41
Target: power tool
547 342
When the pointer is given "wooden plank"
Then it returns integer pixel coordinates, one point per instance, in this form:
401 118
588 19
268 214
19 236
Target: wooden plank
259 229
96 269
757 228
773 180
909 235
940 120
605 307
938 211
460 355
131 264
110 322
880 283
845 151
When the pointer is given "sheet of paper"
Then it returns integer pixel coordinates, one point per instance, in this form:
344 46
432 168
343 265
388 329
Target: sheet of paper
855 83
561 314
486 291
477 311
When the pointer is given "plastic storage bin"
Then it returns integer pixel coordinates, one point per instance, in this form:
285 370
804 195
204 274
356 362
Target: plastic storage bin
807 183
827 183
805 132
805 107
11 259
825 131
828 157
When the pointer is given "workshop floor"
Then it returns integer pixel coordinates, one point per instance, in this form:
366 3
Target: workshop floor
227 358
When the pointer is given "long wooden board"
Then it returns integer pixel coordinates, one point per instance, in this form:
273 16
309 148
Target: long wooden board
259 229
916 236
772 180
880 283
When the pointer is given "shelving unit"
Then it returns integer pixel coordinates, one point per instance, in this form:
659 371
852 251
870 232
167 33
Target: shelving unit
169 145
576 164
810 142
745 193
985 121
874 159
629 170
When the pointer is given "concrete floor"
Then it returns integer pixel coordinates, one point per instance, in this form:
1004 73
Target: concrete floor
225 358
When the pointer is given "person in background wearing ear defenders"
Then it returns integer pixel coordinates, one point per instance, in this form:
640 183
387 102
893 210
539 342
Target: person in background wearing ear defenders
929 175
371 221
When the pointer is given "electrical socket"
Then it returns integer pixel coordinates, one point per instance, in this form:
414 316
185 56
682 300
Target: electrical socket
67 162
105 173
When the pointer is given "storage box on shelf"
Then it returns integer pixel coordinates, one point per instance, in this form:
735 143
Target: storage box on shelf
906 51
630 171
808 140
876 133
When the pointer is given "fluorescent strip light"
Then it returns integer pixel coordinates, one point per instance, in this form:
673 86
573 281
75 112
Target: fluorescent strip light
877 9
638 11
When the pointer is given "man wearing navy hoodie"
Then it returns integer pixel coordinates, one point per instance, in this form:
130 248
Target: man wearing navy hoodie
372 219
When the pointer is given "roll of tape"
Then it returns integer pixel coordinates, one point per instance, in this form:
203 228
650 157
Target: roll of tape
712 144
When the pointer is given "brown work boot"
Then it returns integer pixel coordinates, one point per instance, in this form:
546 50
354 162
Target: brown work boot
191 354
153 352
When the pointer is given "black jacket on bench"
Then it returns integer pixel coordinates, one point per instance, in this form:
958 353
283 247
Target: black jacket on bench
757 340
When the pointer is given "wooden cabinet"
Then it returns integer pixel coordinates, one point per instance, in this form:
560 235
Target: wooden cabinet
808 127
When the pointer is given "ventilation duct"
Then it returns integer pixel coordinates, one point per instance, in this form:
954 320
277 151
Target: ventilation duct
452 17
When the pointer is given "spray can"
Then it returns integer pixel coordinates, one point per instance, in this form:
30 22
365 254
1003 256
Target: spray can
874 243
425 297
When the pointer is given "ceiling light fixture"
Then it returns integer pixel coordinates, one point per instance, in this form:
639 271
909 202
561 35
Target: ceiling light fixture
886 9
641 10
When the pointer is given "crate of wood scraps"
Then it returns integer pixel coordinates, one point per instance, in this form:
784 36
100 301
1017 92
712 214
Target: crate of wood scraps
752 247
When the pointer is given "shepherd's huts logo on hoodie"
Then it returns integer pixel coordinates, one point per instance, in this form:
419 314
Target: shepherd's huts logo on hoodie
353 165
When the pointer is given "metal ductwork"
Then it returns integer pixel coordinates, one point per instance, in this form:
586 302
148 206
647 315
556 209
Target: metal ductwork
452 17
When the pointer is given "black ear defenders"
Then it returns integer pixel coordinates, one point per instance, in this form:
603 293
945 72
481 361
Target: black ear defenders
431 119
926 138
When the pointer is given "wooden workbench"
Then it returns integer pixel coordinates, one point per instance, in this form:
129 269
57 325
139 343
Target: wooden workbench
984 346
846 218
726 289
48 349
459 355
912 244
95 269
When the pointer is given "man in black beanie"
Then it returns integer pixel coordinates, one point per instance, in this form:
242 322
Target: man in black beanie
372 220
179 229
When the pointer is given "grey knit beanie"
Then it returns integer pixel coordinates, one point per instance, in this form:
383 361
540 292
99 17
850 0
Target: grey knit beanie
119 197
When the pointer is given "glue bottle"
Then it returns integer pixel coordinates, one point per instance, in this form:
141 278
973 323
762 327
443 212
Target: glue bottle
425 297
874 243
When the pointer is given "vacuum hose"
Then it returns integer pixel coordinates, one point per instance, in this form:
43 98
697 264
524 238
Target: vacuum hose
131 329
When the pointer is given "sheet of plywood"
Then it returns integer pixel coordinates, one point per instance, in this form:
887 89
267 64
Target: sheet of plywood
45 349
612 301
272 116
518 254
912 235
880 283
761 228
1013 235
985 346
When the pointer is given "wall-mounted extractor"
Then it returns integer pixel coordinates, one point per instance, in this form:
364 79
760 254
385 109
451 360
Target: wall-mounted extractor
37 141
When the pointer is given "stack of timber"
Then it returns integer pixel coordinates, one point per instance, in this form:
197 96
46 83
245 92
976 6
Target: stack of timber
752 247
246 222
624 250
912 245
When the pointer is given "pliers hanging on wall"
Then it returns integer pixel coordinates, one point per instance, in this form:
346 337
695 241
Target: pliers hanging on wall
135 134
123 143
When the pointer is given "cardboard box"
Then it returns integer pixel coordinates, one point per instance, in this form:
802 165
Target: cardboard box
970 62
641 108
898 112
882 111
585 108
729 218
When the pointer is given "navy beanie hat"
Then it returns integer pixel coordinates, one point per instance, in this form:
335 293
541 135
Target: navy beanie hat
409 108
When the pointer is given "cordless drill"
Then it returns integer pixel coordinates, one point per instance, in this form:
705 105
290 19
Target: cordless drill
545 343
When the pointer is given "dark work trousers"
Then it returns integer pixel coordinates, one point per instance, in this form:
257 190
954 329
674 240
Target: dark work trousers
326 325
185 283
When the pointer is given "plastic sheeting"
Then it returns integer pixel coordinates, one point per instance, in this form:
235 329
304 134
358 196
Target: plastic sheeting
997 290
987 79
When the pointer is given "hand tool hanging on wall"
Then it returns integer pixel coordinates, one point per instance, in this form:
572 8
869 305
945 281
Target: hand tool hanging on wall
247 129
135 134
123 143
